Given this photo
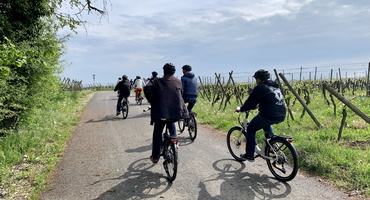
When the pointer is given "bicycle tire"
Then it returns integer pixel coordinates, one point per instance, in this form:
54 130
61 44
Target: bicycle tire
236 142
124 112
285 168
181 125
170 160
192 127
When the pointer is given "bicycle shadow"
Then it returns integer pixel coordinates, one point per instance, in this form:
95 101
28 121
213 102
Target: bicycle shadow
140 183
235 183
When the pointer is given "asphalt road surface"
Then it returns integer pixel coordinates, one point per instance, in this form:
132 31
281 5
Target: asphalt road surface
107 158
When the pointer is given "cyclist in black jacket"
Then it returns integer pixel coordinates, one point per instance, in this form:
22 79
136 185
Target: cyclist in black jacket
268 99
124 87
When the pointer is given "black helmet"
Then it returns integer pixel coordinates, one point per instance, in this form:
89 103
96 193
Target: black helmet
124 77
169 68
262 74
186 67
138 77
154 73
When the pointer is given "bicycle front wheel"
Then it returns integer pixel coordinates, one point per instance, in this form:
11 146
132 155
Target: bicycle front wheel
236 142
284 166
170 160
181 125
124 110
192 127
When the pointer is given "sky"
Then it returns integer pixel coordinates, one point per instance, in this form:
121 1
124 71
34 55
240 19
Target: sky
219 36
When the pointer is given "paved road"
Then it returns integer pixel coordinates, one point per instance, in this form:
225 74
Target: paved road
107 158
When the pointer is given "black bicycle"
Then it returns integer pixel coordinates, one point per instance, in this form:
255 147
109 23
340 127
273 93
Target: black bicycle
124 107
278 151
170 155
139 99
191 123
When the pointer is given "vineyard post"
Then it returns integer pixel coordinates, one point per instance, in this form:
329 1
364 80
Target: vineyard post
300 100
347 103
368 82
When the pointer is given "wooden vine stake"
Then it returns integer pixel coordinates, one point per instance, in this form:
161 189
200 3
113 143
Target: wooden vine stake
347 103
300 100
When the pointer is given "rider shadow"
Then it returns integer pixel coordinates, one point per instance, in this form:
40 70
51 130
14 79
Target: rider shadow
140 149
236 184
140 183
106 118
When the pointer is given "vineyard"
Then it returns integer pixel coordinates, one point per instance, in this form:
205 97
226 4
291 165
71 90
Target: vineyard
327 117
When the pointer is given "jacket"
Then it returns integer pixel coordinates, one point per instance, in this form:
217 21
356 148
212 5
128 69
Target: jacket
167 100
123 87
269 99
189 85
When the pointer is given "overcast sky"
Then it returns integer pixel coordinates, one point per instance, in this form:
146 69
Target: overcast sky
219 36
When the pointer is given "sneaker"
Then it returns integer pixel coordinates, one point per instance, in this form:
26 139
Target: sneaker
154 160
245 157
117 113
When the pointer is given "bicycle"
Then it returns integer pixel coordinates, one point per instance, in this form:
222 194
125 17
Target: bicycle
170 155
191 123
139 99
278 151
124 107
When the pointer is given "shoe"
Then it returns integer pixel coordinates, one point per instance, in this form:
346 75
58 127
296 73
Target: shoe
154 160
118 113
177 145
245 157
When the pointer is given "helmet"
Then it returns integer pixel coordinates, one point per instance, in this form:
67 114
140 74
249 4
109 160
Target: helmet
138 77
186 67
154 73
169 68
124 77
262 74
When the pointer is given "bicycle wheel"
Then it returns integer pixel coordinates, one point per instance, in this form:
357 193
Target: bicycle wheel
181 125
170 160
124 110
285 165
236 142
192 127
140 101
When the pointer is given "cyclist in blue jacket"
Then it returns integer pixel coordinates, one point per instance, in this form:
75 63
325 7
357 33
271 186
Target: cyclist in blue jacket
189 87
268 99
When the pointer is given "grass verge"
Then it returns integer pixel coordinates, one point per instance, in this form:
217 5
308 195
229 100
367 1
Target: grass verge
28 155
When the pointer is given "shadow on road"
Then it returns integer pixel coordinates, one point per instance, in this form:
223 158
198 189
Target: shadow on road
140 183
236 184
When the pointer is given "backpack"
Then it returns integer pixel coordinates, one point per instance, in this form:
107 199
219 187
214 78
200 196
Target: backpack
149 92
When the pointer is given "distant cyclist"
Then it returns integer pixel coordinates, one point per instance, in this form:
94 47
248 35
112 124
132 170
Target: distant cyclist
138 85
189 87
154 76
124 91
267 98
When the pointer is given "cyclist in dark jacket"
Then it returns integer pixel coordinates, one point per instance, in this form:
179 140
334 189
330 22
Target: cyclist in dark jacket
167 106
189 87
124 87
268 99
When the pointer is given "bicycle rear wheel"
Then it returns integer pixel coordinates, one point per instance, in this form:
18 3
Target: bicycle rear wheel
124 110
181 125
285 165
140 101
192 127
236 142
170 160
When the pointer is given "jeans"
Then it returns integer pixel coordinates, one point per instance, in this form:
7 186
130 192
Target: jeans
191 102
120 98
159 125
256 124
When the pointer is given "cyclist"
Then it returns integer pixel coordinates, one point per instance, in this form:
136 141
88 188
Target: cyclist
167 106
124 91
154 76
189 87
138 85
267 98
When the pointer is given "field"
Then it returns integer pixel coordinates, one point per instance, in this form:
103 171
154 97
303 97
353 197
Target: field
340 156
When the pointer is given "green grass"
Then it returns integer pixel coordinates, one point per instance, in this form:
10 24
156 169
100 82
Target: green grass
346 162
28 155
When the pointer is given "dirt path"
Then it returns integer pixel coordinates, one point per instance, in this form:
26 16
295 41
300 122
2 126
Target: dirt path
107 159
